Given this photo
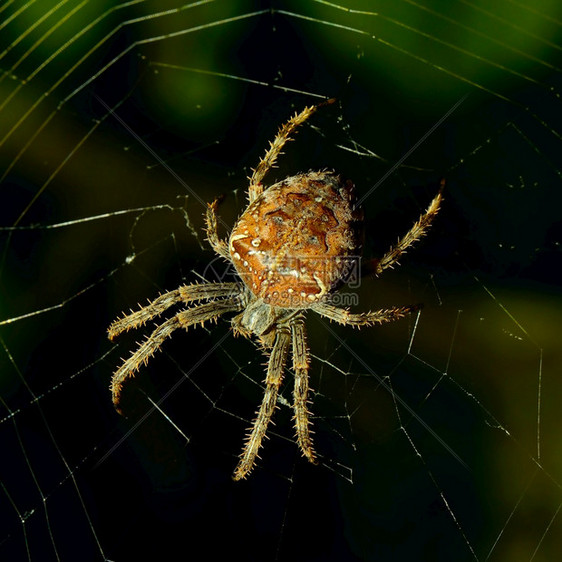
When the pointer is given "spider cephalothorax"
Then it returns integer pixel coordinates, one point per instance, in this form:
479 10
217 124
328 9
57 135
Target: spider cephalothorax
291 248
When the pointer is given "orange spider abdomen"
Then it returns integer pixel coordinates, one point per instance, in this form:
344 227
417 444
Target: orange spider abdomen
297 241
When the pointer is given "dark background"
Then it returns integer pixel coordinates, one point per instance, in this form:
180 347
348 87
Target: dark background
470 469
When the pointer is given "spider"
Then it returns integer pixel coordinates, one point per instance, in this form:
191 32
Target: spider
290 248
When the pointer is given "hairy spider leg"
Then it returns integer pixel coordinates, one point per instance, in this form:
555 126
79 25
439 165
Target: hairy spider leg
196 315
275 367
275 147
413 235
359 319
301 362
185 294
211 219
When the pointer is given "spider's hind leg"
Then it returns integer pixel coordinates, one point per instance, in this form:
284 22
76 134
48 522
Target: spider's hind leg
275 147
419 229
211 220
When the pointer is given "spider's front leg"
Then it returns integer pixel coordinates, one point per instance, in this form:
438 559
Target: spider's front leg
273 380
301 362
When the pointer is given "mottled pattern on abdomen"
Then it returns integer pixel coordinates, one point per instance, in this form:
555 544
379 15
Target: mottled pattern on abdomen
292 246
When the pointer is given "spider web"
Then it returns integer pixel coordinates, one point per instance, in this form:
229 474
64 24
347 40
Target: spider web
438 435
